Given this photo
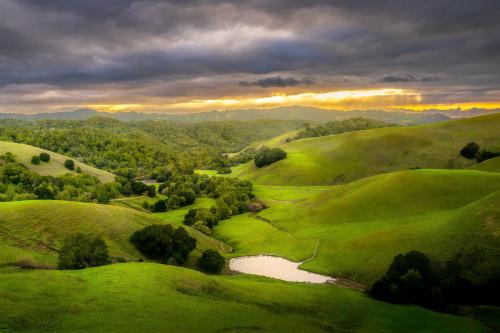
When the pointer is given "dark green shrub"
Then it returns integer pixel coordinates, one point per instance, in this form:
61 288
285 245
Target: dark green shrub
224 171
163 243
211 261
44 157
267 156
69 164
151 191
35 160
81 251
486 155
470 151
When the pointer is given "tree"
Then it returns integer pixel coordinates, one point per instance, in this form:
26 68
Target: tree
267 156
211 261
408 279
470 150
81 251
35 160
164 243
151 191
69 164
44 157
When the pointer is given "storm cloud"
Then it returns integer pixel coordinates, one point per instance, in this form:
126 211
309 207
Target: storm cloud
277 81
70 52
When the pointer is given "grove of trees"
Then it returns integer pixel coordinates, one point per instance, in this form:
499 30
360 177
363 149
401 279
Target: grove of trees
164 243
267 156
82 251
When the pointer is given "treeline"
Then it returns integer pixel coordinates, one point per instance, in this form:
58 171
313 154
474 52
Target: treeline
473 151
341 126
144 146
415 278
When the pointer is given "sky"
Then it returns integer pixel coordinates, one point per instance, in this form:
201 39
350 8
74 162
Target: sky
190 56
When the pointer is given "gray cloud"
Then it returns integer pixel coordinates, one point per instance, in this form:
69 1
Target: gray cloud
390 78
123 45
277 81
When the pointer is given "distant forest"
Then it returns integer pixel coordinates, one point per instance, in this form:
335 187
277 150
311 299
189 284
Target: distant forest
144 146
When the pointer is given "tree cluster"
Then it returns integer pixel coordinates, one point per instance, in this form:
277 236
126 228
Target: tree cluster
473 151
82 251
267 156
211 261
415 278
164 243
233 197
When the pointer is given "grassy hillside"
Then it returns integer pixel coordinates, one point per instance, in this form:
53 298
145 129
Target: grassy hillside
142 297
492 165
361 226
342 158
32 231
55 167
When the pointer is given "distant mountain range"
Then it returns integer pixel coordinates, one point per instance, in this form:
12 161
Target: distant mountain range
308 114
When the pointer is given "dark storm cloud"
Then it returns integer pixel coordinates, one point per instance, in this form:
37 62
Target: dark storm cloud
82 45
390 78
277 81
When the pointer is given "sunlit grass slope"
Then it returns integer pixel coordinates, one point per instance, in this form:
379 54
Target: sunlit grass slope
361 226
55 167
492 165
32 231
143 297
342 158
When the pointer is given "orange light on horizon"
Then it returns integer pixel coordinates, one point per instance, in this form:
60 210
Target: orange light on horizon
342 100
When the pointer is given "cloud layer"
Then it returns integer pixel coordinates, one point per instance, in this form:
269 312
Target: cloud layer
65 53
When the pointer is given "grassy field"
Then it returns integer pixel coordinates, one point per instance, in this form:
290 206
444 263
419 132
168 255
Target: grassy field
492 165
55 167
361 226
342 158
144 297
32 231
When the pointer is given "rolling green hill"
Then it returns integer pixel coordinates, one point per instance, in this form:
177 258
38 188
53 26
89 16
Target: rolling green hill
362 225
492 165
55 167
343 158
144 297
32 231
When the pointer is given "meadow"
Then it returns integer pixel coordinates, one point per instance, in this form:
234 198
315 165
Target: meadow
147 297
55 167
343 158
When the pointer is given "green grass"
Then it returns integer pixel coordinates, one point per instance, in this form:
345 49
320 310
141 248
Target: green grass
492 165
32 231
361 226
144 297
342 158
210 173
55 167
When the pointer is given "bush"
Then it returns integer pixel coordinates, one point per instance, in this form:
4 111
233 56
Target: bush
69 164
164 243
44 157
81 251
267 156
211 261
35 160
470 150
224 171
486 155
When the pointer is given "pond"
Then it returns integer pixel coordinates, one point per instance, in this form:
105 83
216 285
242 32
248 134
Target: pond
277 268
